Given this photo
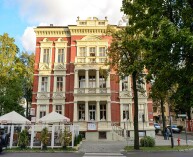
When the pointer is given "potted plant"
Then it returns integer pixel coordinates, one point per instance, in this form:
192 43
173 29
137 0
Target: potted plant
65 138
44 138
23 139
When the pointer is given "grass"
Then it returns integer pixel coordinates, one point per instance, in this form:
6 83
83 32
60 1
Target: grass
160 148
50 150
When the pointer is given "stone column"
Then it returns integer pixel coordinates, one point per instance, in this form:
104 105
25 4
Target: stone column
108 83
130 113
97 81
38 112
87 80
76 79
97 111
145 112
75 112
108 111
55 83
86 111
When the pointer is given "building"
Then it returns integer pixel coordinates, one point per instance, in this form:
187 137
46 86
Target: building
71 78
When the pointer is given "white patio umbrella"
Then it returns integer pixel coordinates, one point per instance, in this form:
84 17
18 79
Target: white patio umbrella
13 118
53 117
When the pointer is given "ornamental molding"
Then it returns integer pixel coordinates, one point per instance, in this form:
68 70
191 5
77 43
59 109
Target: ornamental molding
43 96
52 31
46 43
44 66
58 95
60 43
59 66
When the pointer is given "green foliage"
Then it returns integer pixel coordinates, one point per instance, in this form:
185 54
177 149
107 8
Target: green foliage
44 137
15 73
23 139
65 138
147 141
166 42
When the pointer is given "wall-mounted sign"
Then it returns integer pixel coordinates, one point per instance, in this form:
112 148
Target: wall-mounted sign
91 126
32 111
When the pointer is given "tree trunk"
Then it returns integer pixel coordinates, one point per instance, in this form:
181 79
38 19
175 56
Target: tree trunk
162 111
136 129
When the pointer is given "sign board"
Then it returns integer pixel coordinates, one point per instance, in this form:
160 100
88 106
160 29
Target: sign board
141 133
32 111
33 119
92 126
182 115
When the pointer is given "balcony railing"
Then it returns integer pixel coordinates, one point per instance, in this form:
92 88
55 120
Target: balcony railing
90 59
90 90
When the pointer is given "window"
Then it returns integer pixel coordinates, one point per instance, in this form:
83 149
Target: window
46 56
125 84
102 82
42 110
60 55
92 51
141 112
102 51
44 84
101 23
92 82
125 112
59 109
82 23
92 110
102 112
81 81
82 52
81 111
59 84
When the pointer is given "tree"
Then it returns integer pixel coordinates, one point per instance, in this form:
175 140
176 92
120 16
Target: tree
126 58
166 40
27 79
10 76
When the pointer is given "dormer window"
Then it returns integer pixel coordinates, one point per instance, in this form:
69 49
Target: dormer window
82 23
101 23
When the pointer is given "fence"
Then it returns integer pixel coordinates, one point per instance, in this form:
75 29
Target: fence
34 132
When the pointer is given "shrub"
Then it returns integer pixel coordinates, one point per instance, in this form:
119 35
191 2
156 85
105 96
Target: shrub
75 141
65 138
44 137
23 139
147 141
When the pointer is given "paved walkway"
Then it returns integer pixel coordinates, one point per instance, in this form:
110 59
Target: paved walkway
118 146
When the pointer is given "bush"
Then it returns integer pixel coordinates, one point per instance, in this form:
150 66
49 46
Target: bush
147 141
23 139
180 127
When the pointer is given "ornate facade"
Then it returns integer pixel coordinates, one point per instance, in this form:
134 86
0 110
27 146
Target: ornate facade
71 78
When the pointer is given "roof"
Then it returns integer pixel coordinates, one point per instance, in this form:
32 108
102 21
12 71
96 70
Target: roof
13 118
53 117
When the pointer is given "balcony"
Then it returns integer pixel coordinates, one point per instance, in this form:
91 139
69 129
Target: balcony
90 91
90 59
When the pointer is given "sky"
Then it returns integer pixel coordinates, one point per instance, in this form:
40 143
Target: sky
19 17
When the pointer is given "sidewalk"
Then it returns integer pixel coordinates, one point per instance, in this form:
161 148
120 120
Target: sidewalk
118 146
161 142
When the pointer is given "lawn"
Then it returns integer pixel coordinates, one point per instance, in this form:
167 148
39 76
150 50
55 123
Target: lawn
39 150
160 148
